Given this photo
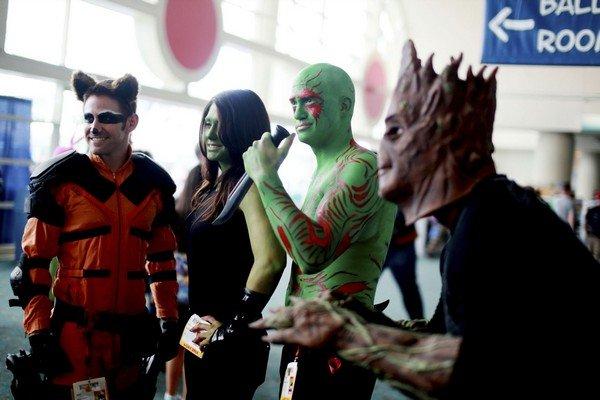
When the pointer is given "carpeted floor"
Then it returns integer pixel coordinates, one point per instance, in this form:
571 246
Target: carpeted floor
12 338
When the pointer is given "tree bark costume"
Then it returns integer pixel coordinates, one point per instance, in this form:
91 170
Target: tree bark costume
511 267
110 231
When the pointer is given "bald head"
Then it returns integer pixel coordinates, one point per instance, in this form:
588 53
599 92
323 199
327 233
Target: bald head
329 78
323 103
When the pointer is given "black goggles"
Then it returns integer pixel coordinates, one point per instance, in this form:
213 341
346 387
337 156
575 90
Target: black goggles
105 118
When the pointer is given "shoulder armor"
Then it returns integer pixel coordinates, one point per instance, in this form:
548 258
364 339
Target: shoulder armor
45 176
68 167
157 174
55 163
148 175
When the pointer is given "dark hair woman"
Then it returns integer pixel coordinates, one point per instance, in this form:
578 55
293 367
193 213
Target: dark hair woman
234 267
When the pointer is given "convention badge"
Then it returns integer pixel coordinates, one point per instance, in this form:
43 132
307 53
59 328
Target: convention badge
289 380
187 338
90 389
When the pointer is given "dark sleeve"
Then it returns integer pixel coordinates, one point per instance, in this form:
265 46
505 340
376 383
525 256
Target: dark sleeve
528 288
486 253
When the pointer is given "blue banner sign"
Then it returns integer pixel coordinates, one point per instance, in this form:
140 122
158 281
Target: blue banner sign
548 32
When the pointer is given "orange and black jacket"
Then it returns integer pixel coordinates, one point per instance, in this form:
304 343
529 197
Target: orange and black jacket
110 231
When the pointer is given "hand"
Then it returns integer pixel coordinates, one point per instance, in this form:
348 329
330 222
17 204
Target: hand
263 158
168 341
205 331
47 354
313 323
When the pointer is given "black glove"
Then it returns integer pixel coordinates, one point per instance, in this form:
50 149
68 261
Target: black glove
250 307
168 341
48 357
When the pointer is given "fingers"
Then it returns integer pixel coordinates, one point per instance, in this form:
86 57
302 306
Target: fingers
284 146
203 336
210 319
265 140
259 324
197 339
202 327
282 337
295 300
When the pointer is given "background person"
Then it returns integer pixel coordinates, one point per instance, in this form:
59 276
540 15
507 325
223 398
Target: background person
401 260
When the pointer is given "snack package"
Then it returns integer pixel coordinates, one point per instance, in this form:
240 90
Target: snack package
188 336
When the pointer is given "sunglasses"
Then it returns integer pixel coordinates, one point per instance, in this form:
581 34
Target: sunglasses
106 117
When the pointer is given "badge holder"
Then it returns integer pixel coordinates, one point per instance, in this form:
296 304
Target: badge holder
289 379
90 389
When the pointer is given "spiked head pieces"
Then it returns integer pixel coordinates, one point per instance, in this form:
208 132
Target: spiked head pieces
438 140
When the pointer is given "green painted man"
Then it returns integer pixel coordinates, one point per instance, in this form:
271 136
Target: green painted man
338 240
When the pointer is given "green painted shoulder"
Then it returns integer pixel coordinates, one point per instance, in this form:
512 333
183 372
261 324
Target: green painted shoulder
358 166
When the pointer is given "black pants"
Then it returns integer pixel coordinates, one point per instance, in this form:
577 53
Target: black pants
401 260
228 371
315 380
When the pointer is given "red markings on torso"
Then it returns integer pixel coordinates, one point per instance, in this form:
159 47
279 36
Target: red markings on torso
343 245
284 239
313 238
360 193
352 288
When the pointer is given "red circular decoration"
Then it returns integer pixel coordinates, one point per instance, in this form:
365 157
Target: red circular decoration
191 28
375 88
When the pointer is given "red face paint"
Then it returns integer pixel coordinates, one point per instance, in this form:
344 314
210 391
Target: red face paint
316 106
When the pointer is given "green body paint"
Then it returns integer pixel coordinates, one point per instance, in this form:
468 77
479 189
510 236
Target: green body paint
339 239
215 150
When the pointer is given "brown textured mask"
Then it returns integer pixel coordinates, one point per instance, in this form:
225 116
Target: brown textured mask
438 139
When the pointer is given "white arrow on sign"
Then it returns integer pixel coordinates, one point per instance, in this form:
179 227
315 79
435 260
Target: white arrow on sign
500 21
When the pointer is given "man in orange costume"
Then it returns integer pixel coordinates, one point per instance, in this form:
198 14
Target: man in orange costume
106 216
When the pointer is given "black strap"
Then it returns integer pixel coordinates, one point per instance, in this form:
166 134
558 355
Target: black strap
160 256
136 274
67 312
104 321
142 234
96 273
39 289
28 263
162 276
83 234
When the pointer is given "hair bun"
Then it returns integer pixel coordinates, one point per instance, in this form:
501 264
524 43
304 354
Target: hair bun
126 87
81 83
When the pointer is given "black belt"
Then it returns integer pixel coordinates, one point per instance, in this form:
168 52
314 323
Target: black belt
103 321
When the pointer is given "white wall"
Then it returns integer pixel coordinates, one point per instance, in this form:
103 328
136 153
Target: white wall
516 164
